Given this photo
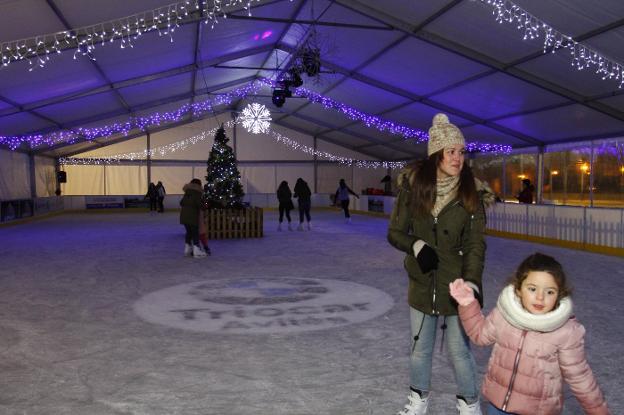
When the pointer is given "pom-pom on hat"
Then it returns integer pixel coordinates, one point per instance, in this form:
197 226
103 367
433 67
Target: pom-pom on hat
443 134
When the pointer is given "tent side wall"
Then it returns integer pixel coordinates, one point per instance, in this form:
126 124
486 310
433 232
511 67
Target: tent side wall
262 160
14 175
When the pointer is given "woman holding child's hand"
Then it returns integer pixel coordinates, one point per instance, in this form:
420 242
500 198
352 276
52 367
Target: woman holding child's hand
461 292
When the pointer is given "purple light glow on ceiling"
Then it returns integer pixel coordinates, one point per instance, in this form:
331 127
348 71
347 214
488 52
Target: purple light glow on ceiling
264 35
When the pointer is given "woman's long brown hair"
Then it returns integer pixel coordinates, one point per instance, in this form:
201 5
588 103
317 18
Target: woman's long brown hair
425 181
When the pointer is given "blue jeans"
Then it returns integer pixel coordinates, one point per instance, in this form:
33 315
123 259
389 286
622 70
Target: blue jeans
492 410
458 346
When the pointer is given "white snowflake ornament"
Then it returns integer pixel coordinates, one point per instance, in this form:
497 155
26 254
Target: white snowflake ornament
256 118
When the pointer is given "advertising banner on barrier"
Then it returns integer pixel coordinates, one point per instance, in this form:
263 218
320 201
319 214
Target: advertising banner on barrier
104 202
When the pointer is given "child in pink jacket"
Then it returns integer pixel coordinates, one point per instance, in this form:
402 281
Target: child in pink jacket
537 343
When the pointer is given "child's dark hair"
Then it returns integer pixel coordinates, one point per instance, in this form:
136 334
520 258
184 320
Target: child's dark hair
545 263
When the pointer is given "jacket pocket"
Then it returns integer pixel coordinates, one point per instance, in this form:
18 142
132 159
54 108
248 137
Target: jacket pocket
413 270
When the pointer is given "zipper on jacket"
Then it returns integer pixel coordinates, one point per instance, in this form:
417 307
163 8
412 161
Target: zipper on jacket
435 236
515 371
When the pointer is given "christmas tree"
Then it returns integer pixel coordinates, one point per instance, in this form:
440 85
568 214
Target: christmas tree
223 188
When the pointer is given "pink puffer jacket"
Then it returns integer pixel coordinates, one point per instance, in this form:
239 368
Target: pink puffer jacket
534 363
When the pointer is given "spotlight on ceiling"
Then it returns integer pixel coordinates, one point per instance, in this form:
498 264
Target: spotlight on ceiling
281 92
278 98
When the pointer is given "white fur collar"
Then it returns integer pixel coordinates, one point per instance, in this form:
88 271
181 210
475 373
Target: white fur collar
511 308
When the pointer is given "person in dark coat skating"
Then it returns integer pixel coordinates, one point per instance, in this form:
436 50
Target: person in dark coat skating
191 204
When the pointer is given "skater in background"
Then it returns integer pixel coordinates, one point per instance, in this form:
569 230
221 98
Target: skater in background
284 196
152 195
526 194
342 197
304 200
438 221
538 344
161 196
191 204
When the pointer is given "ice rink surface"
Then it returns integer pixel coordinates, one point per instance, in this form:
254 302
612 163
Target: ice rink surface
102 314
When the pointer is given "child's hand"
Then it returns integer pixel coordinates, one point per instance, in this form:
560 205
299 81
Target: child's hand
461 292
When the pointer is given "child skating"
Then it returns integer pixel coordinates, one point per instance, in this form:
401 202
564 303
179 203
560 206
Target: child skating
538 344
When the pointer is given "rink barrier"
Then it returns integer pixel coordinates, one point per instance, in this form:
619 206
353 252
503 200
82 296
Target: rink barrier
591 229
234 223
598 230
21 210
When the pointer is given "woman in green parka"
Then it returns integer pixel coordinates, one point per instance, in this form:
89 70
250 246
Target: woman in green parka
439 222
189 217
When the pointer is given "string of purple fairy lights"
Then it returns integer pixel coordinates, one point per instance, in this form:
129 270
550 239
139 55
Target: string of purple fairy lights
133 123
199 108
382 125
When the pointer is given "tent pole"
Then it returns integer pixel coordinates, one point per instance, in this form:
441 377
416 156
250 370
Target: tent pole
33 180
315 167
540 176
149 161
233 115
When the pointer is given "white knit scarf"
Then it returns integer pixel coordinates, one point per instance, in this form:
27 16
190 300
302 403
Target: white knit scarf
512 310
446 190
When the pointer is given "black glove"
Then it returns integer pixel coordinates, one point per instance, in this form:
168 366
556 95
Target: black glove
427 259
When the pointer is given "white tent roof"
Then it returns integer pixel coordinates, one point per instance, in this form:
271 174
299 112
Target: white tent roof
401 60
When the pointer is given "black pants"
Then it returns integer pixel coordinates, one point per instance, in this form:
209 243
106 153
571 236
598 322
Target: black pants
304 209
345 207
161 206
284 208
153 204
192 234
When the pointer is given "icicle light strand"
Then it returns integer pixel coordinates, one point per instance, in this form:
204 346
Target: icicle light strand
182 144
369 164
133 123
39 49
142 155
583 57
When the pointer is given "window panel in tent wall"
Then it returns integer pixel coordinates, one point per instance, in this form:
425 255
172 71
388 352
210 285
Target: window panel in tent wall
126 180
45 176
258 179
14 175
83 180
517 168
608 173
489 169
175 177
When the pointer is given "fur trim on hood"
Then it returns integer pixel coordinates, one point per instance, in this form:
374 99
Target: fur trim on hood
486 192
194 187
407 176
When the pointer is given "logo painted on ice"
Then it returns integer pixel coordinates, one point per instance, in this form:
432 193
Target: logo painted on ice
263 305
